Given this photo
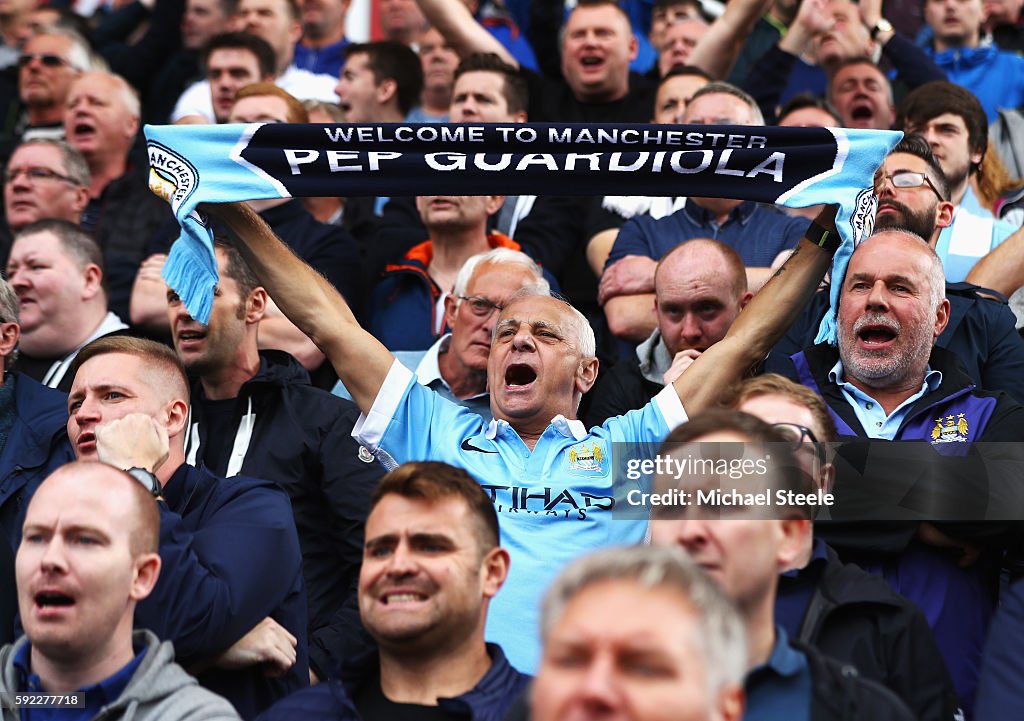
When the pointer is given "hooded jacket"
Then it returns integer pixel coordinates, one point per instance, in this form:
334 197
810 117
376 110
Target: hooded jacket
159 690
300 437
995 76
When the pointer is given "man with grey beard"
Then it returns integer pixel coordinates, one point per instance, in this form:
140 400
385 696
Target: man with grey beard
887 379
914 195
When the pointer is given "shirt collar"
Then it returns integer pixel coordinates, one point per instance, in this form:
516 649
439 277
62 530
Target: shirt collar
429 369
784 660
703 216
568 428
932 378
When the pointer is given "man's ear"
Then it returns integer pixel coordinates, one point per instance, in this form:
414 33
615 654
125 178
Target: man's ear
795 533
450 305
256 305
387 90
93 277
177 417
827 477
494 570
295 32
941 317
944 214
10 333
147 571
494 203
730 704
586 375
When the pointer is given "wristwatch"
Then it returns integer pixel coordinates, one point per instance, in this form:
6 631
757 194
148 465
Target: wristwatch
147 479
882 26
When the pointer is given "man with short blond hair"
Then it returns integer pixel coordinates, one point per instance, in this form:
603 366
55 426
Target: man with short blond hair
128 407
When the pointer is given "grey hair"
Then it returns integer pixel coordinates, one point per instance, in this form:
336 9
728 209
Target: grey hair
718 87
494 257
80 55
75 166
582 330
719 635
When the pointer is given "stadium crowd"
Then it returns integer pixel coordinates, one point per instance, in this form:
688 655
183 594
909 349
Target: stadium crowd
382 481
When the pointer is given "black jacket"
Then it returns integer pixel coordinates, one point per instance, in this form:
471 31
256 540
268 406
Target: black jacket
856 618
617 391
840 693
301 440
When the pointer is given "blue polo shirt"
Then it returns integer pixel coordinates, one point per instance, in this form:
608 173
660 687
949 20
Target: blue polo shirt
779 690
97 695
554 504
758 233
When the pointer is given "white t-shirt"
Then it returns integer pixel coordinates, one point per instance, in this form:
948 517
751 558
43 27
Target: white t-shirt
304 85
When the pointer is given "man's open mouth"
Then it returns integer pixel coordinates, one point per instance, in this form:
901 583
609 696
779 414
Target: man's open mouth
876 335
520 374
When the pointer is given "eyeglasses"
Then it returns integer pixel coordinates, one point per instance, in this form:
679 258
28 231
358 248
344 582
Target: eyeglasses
37 174
909 179
48 61
481 307
795 435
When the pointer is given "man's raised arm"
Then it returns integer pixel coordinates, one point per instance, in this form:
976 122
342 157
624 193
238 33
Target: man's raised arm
310 302
464 34
763 321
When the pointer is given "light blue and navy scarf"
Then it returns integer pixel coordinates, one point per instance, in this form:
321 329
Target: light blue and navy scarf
795 167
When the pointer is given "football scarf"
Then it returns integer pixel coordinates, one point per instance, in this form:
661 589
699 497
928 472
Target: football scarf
794 167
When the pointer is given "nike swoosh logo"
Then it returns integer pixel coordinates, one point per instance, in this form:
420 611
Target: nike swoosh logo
467 446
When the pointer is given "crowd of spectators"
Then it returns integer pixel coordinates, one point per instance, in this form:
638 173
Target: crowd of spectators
346 494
